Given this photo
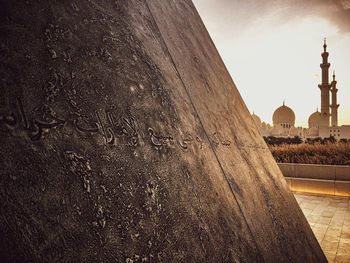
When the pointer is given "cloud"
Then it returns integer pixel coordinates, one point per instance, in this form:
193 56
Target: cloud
336 11
246 12
341 17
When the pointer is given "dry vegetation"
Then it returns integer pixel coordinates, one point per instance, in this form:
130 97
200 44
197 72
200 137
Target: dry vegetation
317 153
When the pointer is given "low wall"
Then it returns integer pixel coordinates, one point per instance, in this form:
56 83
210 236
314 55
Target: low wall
321 179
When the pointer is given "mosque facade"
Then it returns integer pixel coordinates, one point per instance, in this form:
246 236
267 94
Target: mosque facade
321 124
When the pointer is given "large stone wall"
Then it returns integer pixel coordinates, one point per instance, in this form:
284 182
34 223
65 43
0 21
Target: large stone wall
124 139
321 179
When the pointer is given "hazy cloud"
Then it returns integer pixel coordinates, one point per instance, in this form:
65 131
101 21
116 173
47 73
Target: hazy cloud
245 12
336 11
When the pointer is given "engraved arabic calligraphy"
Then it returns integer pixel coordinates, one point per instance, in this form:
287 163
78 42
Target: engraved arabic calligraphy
110 128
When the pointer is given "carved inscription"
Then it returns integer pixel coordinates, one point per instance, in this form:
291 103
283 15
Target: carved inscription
216 140
33 127
111 126
199 140
159 141
186 141
105 124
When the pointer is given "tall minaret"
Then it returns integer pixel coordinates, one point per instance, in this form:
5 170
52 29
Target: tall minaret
334 106
325 87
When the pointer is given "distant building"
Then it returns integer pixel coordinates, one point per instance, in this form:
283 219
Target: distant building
321 124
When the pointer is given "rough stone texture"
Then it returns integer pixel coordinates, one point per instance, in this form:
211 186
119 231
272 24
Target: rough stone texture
124 139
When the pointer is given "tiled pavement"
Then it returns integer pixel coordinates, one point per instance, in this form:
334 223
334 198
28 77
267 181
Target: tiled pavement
329 218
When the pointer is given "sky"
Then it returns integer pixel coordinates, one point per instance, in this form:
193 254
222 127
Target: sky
272 49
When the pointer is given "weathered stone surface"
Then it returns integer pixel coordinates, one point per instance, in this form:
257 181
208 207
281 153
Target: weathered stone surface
124 139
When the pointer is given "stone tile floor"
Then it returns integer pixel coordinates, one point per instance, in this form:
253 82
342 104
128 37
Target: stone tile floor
329 218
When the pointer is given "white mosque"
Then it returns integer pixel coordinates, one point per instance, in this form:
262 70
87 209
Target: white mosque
321 124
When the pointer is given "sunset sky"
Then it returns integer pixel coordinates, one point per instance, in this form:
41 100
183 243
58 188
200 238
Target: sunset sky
272 49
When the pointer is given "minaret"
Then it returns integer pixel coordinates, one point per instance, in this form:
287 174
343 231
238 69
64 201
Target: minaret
325 87
334 106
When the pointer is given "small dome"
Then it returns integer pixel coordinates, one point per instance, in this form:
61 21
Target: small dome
315 119
256 119
283 114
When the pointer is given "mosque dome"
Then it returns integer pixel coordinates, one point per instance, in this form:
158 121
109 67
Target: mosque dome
283 115
256 119
315 119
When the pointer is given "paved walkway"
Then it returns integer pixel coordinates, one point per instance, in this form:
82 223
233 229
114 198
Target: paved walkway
329 218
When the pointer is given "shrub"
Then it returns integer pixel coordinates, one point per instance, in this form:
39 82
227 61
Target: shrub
320 152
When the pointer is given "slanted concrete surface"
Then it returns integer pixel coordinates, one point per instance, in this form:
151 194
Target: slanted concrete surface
124 139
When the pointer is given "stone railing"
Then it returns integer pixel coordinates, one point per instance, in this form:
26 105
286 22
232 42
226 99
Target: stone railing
321 179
